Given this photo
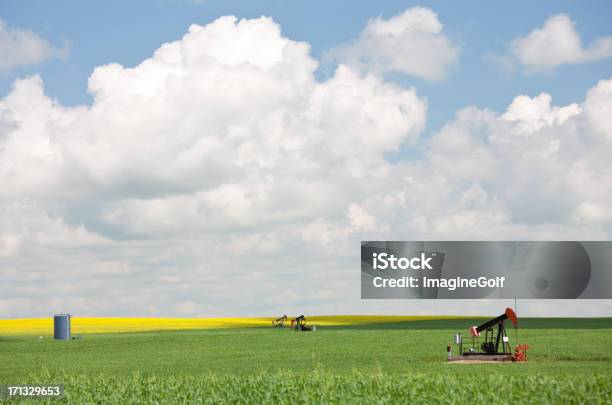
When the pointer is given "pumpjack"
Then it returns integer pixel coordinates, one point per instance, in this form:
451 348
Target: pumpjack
279 322
496 343
299 324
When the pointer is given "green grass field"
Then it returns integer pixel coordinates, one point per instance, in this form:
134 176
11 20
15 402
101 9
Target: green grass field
570 361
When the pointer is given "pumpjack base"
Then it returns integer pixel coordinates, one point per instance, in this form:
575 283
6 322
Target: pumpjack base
482 358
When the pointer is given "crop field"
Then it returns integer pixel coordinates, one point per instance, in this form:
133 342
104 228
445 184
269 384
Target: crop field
347 360
44 326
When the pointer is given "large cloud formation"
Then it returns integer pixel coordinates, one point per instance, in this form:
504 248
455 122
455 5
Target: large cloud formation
219 177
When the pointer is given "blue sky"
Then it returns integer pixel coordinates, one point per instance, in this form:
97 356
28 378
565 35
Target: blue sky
207 180
128 32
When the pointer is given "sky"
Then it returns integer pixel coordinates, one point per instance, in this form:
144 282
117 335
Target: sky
200 158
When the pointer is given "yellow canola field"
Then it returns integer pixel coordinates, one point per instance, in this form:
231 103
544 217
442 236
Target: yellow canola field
44 326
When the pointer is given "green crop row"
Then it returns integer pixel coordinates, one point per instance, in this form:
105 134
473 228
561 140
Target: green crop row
325 387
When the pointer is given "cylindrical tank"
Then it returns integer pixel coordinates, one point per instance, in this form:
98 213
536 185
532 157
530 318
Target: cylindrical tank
61 327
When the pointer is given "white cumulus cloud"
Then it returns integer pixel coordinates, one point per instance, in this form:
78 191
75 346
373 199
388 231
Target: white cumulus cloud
556 43
221 141
21 47
411 43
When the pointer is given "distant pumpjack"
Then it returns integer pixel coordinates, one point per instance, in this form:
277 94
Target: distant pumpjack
279 322
299 324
